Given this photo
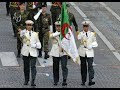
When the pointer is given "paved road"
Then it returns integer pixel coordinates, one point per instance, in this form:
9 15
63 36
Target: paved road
107 70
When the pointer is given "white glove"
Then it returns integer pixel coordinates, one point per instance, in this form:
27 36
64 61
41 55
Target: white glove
89 47
94 44
38 45
38 14
22 33
33 45
56 34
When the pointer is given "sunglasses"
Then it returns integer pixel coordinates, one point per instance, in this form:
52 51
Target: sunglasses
28 24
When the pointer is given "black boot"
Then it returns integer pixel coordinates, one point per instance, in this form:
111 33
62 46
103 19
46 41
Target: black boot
46 55
26 83
33 83
64 82
91 83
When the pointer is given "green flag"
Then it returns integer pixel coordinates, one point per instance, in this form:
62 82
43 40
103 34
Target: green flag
64 21
67 38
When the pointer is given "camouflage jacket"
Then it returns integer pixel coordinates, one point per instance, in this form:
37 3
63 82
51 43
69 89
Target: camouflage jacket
19 19
45 21
42 21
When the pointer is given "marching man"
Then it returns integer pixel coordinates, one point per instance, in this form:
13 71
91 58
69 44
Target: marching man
86 52
58 55
29 51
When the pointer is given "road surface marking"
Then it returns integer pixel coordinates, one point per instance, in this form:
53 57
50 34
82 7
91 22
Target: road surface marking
110 10
45 62
8 59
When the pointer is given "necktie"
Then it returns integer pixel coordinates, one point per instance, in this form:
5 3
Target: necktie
30 33
86 34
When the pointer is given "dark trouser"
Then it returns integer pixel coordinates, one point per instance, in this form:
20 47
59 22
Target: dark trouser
84 61
29 62
8 8
44 39
19 44
56 61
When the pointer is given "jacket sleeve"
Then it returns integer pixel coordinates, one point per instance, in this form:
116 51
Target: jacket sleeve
54 34
79 36
94 42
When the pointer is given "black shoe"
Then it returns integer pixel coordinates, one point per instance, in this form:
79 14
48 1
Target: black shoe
46 56
83 84
33 84
55 84
91 83
26 83
64 84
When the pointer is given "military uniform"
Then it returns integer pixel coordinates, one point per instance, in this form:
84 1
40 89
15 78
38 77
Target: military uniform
29 51
19 23
55 12
86 52
44 28
13 7
31 15
58 55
